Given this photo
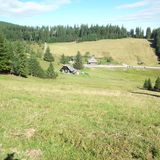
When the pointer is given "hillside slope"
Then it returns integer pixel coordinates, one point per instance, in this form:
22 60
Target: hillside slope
86 117
128 50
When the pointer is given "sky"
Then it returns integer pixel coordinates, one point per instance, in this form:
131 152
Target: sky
129 13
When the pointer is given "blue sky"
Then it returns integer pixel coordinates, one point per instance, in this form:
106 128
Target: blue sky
130 13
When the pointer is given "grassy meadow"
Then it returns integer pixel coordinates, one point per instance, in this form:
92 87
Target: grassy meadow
128 50
100 115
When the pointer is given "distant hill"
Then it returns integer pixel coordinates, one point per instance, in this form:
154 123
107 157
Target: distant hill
129 50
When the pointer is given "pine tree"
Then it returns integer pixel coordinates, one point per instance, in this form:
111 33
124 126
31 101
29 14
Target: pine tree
148 33
48 56
157 84
5 57
63 59
50 72
19 61
149 84
23 65
157 41
132 32
78 61
34 67
145 85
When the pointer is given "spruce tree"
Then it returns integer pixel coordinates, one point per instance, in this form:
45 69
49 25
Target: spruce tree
5 56
145 85
19 61
157 84
148 33
50 72
48 56
63 59
78 61
34 67
23 65
149 84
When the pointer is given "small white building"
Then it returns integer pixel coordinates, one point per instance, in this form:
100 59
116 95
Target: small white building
92 60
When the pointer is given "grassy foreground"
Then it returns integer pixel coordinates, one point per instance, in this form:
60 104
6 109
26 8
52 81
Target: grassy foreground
101 115
128 50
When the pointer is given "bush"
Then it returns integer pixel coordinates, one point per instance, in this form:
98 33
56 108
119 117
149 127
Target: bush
107 60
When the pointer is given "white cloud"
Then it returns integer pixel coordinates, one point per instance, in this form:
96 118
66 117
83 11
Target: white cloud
28 8
150 11
141 3
133 5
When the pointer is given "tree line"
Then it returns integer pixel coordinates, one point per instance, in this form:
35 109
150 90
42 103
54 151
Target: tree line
17 58
156 38
68 33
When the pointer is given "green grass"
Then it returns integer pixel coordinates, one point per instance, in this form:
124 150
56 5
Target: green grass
97 116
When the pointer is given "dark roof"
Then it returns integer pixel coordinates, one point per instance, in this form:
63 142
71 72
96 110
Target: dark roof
70 68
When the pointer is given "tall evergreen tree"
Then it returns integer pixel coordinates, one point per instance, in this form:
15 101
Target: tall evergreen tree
48 56
132 32
20 62
23 65
34 67
50 72
157 42
157 84
5 56
148 33
149 84
78 61
63 59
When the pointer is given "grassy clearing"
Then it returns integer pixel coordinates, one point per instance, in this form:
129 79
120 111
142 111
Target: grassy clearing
102 115
129 50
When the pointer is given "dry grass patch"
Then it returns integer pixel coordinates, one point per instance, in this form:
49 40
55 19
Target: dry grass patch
128 50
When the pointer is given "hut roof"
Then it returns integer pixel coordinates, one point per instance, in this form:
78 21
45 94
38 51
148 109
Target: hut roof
70 68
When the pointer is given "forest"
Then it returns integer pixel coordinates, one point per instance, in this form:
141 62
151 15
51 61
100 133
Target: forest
69 33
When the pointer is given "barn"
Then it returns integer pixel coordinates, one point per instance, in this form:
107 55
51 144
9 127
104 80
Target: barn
68 69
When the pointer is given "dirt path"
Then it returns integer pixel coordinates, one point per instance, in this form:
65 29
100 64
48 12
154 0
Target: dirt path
120 66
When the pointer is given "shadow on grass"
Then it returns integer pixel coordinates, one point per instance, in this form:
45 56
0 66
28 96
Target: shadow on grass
10 157
148 94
